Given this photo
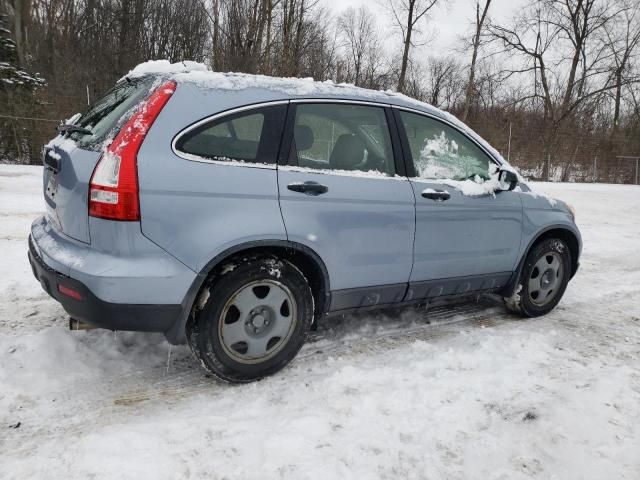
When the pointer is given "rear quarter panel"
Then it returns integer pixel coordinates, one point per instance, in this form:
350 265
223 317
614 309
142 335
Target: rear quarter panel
196 210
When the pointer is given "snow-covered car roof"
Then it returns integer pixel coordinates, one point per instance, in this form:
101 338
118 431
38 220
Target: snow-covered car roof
201 75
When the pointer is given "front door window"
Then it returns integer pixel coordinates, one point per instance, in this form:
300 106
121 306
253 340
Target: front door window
441 152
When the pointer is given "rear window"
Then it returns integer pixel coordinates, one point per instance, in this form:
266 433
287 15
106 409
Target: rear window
106 113
250 136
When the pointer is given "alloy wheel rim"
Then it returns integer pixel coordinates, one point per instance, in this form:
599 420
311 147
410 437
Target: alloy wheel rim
257 321
545 278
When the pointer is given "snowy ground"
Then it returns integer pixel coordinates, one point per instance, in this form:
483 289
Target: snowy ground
478 394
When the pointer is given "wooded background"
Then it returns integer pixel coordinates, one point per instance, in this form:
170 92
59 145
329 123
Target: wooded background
556 89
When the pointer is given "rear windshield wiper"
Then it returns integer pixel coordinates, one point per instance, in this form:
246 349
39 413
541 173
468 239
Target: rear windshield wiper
69 128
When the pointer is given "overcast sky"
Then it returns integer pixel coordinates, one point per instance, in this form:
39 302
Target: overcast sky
450 19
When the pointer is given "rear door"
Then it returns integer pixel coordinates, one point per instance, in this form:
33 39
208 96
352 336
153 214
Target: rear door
466 240
340 196
69 159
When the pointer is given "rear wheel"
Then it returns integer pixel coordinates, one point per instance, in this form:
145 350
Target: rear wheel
255 320
543 280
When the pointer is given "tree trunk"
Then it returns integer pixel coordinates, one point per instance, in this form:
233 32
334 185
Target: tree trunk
216 36
470 91
21 16
580 35
267 51
616 111
123 35
407 45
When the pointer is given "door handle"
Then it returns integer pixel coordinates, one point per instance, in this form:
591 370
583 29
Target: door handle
308 188
437 195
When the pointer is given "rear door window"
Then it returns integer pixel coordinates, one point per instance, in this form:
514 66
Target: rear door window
109 111
250 136
336 136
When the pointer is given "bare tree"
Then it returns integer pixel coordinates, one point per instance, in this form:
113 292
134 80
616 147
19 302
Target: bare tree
292 27
21 17
241 33
444 82
318 46
622 40
406 15
553 37
563 78
470 90
357 30
80 48
491 90
376 73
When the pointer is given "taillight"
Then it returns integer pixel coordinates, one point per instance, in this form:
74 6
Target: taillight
113 190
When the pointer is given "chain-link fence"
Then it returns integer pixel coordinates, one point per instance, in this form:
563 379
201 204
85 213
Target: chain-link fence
574 155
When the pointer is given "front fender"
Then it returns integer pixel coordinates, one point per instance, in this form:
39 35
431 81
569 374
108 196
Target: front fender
543 216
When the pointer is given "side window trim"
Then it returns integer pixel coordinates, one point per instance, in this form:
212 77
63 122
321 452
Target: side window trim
404 140
284 157
219 116
399 158
287 137
404 143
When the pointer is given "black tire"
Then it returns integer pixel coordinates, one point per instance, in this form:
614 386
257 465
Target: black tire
531 299
205 330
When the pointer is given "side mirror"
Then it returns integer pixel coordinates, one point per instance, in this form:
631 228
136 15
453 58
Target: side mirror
507 180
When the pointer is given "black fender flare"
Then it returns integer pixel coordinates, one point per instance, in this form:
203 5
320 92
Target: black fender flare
511 286
175 334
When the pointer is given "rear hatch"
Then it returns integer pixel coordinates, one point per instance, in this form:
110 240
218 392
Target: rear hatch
70 158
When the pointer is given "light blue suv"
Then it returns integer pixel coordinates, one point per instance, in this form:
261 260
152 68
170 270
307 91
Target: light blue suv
236 211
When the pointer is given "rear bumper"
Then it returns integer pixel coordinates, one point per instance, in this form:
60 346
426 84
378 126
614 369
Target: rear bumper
91 309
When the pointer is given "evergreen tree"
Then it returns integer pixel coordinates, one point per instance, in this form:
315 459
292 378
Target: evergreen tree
11 76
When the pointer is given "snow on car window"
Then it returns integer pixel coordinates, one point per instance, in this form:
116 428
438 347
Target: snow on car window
442 152
439 158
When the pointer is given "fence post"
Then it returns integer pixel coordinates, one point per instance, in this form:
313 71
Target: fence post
509 147
15 136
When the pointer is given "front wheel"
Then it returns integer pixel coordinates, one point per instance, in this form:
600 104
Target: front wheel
255 320
543 279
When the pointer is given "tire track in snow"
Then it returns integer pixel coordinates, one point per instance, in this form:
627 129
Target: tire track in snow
113 400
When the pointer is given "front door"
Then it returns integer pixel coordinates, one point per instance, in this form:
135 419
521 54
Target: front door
467 236
340 197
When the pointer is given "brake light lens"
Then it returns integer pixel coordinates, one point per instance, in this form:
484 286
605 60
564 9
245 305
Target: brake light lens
113 190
